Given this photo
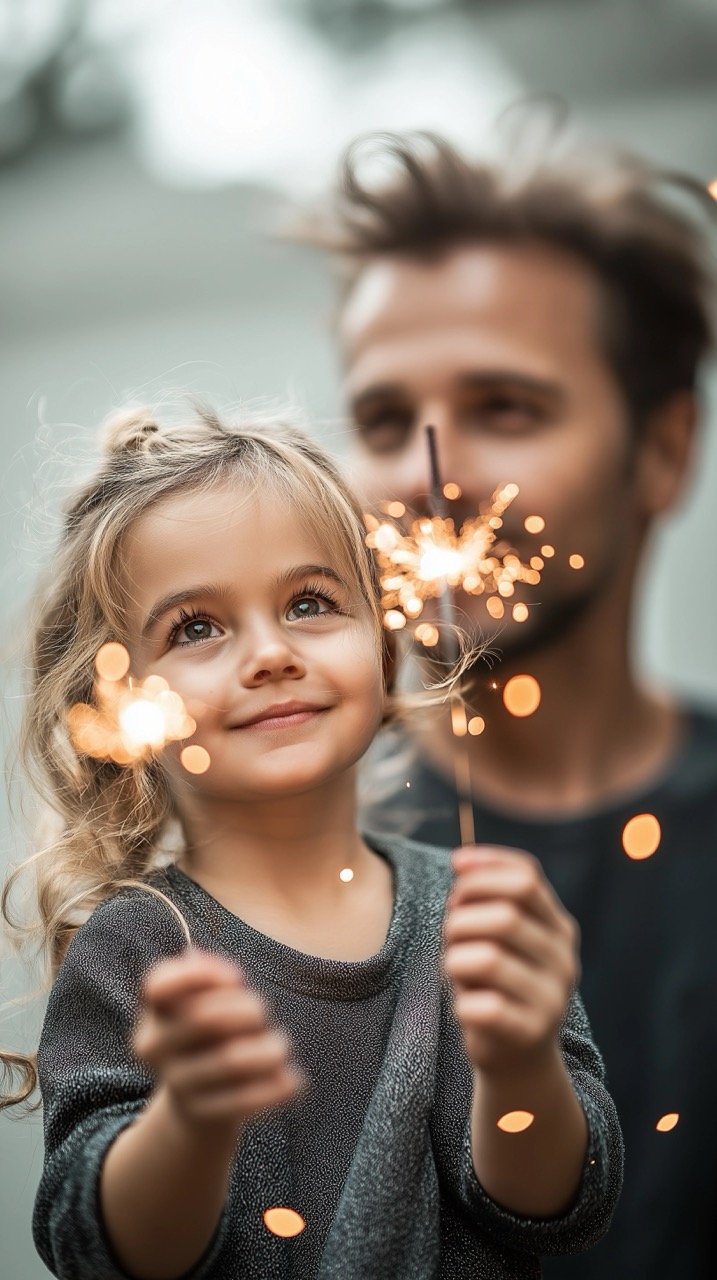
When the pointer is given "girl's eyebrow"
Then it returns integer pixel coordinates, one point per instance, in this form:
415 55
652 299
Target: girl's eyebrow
211 589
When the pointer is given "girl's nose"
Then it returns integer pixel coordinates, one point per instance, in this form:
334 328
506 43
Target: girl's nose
270 657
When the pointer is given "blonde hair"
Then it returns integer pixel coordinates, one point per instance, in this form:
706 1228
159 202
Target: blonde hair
110 818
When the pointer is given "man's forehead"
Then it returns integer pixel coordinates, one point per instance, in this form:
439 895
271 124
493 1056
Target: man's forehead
517 289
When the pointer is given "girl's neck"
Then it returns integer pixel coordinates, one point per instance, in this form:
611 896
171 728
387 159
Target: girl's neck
276 864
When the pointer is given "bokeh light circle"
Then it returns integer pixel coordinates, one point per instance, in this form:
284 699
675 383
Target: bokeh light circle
521 695
641 836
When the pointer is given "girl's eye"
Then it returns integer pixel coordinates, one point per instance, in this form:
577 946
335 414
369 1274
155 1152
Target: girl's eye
311 607
191 630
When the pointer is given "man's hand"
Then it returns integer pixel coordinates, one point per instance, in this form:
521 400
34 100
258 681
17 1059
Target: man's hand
512 955
206 1036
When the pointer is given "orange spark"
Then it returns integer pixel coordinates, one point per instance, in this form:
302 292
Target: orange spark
667 1122
641 836
521 695
195 759
516 1121
283 1222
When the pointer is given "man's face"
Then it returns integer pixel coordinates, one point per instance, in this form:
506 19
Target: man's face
497 347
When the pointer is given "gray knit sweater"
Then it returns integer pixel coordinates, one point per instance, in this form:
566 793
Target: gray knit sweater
375 1155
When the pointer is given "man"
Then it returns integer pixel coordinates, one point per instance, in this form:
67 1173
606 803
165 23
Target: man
551 326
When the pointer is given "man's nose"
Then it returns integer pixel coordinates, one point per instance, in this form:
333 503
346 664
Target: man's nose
268 655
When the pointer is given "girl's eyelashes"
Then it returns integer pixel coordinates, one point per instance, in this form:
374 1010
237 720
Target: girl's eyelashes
192 626
311 593
197 626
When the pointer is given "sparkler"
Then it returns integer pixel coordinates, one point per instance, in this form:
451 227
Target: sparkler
133 718
422 564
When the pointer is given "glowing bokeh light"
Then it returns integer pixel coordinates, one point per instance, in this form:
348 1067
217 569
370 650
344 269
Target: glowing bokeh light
641 836
142 724
521 695
712 188
547 550
283 1222
576 561
667 1122
534 524
459 720
195 759
112 661
395 620
451 490
537 562
476 725
495 606
516 1121
427 634
520 612
395 510
346 874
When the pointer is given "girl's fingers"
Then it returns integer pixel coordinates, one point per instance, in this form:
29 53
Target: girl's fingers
500 920
172 980
488 966
495 1026
248 1099
518 877
227 1066
207 1018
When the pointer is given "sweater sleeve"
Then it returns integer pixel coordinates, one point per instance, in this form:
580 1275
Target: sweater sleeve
92 1085
589 1216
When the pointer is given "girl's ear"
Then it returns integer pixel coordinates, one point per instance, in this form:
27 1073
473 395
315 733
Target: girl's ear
390 660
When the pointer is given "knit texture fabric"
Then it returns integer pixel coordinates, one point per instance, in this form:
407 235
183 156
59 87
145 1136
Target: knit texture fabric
375 1156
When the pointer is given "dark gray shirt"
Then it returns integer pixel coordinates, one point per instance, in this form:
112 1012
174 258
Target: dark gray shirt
375 1155
649 982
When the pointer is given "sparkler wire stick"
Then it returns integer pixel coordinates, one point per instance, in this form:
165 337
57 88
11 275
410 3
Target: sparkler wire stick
459 722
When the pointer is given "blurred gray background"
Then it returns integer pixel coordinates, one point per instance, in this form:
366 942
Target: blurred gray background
146 149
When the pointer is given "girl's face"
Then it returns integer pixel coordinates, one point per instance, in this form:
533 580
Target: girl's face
246 616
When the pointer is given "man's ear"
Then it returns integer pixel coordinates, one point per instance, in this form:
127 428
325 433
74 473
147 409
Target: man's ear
390 660
665 452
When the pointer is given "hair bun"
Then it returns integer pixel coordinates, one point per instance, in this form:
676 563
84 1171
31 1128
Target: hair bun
128 431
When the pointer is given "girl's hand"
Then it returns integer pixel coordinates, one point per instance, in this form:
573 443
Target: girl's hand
512 955
206 1036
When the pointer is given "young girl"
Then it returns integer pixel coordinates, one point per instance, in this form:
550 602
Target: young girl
286 1013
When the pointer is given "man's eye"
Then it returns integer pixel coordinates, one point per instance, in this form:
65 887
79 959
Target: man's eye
385 429
505 413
